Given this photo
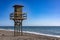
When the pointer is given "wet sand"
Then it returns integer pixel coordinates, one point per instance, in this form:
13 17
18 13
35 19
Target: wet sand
9 35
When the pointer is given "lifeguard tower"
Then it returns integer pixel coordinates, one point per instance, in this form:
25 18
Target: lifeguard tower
18 18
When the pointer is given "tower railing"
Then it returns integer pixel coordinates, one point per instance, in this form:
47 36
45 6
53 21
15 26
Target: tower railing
12 17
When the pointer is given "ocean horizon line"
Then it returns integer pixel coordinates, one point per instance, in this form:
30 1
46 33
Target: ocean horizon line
42 26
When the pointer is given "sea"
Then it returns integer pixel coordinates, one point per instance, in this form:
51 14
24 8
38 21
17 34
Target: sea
53 31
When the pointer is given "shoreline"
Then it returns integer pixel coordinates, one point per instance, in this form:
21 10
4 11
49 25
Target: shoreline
35 33
9 35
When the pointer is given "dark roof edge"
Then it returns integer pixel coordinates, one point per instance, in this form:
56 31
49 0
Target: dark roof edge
18 6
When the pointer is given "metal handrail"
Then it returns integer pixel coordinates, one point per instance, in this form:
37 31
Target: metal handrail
24 16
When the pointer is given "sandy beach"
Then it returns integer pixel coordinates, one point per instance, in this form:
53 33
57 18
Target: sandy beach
9 35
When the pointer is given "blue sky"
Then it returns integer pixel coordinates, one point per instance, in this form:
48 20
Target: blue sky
39 12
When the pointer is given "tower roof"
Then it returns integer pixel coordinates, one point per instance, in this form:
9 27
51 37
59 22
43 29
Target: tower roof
18 6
